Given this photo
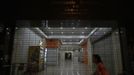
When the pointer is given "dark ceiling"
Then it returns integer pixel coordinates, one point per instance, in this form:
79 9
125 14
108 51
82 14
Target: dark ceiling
68 9
61 9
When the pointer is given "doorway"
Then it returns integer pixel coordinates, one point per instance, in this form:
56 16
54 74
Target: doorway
68 56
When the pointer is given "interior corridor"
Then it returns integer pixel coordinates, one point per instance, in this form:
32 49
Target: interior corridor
64 50
59 37
67 68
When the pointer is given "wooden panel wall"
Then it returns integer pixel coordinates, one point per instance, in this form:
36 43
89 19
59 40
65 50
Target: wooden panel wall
85 53
53 43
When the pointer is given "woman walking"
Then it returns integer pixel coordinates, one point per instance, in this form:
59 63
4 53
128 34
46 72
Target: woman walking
100 69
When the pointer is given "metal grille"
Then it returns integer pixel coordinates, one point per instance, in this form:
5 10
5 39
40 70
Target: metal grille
108 47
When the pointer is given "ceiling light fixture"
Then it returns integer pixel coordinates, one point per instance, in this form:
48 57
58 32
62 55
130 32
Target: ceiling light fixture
82 32
52 32
6 28
81 41
86 28
72 32
16 28
92 32
41 32
49 28
61 27
70 43
57 36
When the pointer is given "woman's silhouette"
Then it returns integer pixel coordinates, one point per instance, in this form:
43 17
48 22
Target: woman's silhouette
100 69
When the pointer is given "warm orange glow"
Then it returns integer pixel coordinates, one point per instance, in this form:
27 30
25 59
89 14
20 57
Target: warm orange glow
85 55
53 43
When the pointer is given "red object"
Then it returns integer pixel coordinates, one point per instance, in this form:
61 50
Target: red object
101 70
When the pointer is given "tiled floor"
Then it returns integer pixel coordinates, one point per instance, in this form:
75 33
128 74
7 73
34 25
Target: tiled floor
67 68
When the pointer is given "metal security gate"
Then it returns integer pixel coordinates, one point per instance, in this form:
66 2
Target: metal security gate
104 41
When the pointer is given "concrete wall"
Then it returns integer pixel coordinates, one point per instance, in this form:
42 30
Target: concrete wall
24 37
117 53
109 50
90 64
52 56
